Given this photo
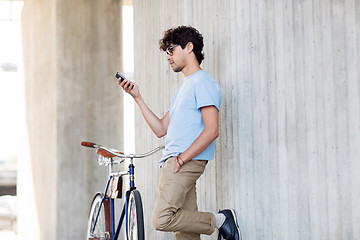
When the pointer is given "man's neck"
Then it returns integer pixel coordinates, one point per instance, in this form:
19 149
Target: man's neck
187 71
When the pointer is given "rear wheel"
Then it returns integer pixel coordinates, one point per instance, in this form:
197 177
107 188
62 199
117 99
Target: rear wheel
135 217
99 219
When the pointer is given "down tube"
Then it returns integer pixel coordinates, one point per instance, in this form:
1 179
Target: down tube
120 223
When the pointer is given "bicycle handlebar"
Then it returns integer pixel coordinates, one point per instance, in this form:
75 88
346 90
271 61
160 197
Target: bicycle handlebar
89 144
105 152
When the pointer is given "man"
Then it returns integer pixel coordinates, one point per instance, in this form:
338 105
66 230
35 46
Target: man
191 126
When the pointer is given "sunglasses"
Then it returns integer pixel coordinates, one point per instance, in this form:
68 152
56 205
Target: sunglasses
169 51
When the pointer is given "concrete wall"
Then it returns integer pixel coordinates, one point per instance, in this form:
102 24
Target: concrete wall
71 53
287 157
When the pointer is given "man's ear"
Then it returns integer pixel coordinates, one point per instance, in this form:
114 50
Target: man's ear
189 47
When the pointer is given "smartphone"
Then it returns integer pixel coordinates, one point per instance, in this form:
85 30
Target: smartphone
119 76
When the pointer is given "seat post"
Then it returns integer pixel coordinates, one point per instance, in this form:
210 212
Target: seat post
111 166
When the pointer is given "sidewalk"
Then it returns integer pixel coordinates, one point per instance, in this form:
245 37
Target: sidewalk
8 217
7 235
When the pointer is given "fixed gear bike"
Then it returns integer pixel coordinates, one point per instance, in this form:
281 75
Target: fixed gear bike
101 221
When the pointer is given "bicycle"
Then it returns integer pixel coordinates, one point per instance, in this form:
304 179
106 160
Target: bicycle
101 222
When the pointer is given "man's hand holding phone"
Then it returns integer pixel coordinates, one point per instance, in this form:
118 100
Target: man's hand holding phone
128 86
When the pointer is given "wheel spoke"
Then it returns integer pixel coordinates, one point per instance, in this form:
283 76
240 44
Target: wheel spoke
97 220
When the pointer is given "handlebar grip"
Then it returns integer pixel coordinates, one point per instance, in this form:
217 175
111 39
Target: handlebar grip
88 144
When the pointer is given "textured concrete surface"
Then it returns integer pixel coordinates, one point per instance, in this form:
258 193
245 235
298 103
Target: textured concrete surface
287 157
71 53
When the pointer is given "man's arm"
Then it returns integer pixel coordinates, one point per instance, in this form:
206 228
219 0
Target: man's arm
157 125
210 115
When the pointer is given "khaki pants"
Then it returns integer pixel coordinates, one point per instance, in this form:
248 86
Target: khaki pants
176 207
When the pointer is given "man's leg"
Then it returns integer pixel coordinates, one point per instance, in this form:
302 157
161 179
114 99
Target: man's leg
169 214
191 205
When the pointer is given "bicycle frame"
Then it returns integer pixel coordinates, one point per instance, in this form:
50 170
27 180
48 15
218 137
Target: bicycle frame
109 155
114 235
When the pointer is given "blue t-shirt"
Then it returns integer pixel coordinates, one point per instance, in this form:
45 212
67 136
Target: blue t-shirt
186 123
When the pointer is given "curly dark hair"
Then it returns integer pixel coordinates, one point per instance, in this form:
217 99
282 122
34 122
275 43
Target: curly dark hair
182 35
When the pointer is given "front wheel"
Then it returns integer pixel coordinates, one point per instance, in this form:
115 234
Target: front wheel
99 219
135 217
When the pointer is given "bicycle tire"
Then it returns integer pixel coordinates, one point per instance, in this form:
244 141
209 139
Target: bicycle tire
135 217
102 227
